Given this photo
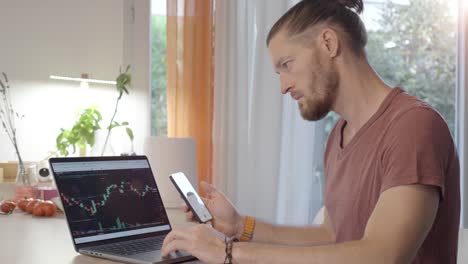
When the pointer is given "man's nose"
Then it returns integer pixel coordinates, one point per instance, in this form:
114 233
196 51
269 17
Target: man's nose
285 85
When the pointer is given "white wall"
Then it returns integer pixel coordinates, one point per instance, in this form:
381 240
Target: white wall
66 37
137 52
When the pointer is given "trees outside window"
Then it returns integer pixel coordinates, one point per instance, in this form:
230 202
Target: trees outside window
158 75
413 44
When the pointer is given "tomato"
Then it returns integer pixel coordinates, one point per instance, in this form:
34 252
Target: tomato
10 200
7 207
22 203
31 205
46 208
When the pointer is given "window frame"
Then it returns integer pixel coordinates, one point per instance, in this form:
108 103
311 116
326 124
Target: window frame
462 108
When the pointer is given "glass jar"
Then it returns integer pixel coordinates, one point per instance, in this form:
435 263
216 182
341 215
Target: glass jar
26 179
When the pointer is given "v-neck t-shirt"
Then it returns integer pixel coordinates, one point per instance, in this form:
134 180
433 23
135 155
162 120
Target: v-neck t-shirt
405 142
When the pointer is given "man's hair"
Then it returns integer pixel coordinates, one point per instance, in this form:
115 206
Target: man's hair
342 13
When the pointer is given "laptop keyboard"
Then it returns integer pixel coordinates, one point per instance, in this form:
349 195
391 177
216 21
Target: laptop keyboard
133 247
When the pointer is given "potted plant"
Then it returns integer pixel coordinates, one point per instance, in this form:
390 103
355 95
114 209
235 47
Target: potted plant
81 134
84 130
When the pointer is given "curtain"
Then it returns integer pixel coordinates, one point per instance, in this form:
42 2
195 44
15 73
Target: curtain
265 157
301 173
190 76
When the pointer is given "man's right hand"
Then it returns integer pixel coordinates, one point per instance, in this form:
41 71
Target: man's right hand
226 219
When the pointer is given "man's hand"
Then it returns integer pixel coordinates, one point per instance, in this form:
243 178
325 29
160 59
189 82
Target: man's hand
226 219
200 241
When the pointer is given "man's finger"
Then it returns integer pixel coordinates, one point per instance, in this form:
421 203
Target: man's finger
208 203
176 234
208 188
189 215
173 246
185 208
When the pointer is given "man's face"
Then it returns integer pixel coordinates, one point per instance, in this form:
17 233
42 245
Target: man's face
306 74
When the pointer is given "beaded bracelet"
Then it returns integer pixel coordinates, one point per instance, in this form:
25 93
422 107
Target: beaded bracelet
228 250
249 227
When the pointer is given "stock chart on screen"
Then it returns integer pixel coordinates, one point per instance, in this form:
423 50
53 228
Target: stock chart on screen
107 201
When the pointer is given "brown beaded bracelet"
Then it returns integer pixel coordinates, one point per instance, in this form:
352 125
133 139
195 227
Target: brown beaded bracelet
228 250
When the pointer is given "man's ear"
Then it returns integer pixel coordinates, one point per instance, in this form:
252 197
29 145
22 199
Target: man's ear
329 42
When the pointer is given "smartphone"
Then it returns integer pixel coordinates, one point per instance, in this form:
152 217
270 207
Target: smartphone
191 197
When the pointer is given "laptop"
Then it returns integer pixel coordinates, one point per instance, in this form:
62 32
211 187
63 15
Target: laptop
113 208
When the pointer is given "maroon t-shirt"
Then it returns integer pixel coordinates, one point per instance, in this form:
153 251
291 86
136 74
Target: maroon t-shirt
405 142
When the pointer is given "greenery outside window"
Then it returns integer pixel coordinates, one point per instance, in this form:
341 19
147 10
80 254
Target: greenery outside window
413 44
158 68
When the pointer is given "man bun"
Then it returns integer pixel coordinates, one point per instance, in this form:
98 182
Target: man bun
356 5
342 13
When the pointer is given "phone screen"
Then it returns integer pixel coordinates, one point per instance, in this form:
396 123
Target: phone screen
191 197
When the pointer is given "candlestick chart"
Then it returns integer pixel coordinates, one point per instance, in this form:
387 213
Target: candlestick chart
110 201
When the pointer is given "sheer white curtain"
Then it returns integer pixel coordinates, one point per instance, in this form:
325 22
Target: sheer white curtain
301 176
265 157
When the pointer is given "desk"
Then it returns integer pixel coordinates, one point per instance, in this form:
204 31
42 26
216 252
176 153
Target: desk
25 239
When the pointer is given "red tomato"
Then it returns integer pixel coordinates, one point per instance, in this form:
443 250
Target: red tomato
7 207
22 203
46 208
31 205
10 200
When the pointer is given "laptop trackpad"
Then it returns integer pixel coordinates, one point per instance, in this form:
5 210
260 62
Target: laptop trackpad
155 256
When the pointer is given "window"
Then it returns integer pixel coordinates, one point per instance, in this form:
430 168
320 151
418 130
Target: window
158 68
420 42
413 44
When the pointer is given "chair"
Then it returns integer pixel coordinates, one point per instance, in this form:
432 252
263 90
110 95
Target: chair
463 246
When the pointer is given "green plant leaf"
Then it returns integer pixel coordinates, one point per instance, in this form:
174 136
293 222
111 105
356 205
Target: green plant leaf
82 133
130 133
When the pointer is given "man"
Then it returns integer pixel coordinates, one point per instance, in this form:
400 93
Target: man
392 172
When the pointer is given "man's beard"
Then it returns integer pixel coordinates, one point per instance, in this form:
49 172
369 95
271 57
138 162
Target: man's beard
318 103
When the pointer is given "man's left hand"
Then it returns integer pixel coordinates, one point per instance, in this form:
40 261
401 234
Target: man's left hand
201 241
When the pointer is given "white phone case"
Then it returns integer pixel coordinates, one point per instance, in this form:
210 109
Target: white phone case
191 197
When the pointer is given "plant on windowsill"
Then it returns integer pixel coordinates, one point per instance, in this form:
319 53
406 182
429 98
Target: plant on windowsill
124 81
86 127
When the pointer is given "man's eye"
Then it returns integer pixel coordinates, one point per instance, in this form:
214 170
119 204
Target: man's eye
286 65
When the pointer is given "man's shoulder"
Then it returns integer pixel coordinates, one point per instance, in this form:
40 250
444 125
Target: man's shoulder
409 110
410 122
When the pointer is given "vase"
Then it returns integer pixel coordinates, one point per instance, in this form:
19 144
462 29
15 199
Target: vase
25 180
103 147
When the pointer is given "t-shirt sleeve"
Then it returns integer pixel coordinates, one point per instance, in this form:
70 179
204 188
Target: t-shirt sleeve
418 150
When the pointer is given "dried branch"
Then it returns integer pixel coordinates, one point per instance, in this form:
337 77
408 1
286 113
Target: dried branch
7 118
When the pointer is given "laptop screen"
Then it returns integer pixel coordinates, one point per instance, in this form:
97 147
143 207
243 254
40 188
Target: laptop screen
107 198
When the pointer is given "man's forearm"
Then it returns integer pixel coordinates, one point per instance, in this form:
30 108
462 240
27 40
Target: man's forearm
358 252
292 236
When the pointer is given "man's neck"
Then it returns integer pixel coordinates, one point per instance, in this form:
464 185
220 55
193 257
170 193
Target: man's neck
360 94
